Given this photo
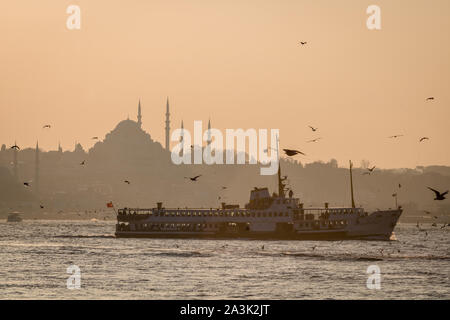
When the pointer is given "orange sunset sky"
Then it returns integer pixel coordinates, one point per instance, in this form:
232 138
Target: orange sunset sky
237 62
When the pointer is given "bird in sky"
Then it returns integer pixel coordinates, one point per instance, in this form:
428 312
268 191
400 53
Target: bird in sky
26 184
223 188
193 178
369 170
423 139
314 140
83 163
94 138
291 152
430 99
427 212
47 126
396 136
303 43
439 196
126 181
15 146
41 206
313 129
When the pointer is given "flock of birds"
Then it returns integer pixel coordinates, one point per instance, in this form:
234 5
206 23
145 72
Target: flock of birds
439 196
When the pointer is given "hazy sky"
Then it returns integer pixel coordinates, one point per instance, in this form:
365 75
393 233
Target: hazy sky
238 62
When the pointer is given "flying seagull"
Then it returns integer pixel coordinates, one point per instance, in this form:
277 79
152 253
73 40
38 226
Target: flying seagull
314 140
396 136
439 196
369 170
42 207
27 184
46 126
303 43
430 98
83 163
291 153
313 129
126 181
15 147
424 138
94 138
194 178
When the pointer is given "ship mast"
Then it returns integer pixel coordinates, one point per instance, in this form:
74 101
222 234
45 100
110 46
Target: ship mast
280 181
351 184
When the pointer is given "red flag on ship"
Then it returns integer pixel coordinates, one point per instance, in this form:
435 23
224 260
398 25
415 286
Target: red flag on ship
110 205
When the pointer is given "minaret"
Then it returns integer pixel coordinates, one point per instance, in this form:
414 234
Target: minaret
182 137
59 147
351 184
36 169
139 116
209 139
167 125
16 175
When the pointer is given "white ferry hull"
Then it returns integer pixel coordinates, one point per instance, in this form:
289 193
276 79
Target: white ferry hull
376 226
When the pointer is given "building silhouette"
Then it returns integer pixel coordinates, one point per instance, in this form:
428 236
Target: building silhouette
36 169
167 125
139 116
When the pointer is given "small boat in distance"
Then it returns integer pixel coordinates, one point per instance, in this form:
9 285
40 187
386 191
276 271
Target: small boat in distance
14 217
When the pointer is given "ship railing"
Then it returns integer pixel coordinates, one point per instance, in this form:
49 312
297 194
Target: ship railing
327 213
177 211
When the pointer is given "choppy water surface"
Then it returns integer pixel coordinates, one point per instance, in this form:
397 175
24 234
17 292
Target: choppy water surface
34 256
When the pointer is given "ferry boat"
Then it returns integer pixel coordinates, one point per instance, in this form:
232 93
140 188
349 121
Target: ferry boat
14 217
265 216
